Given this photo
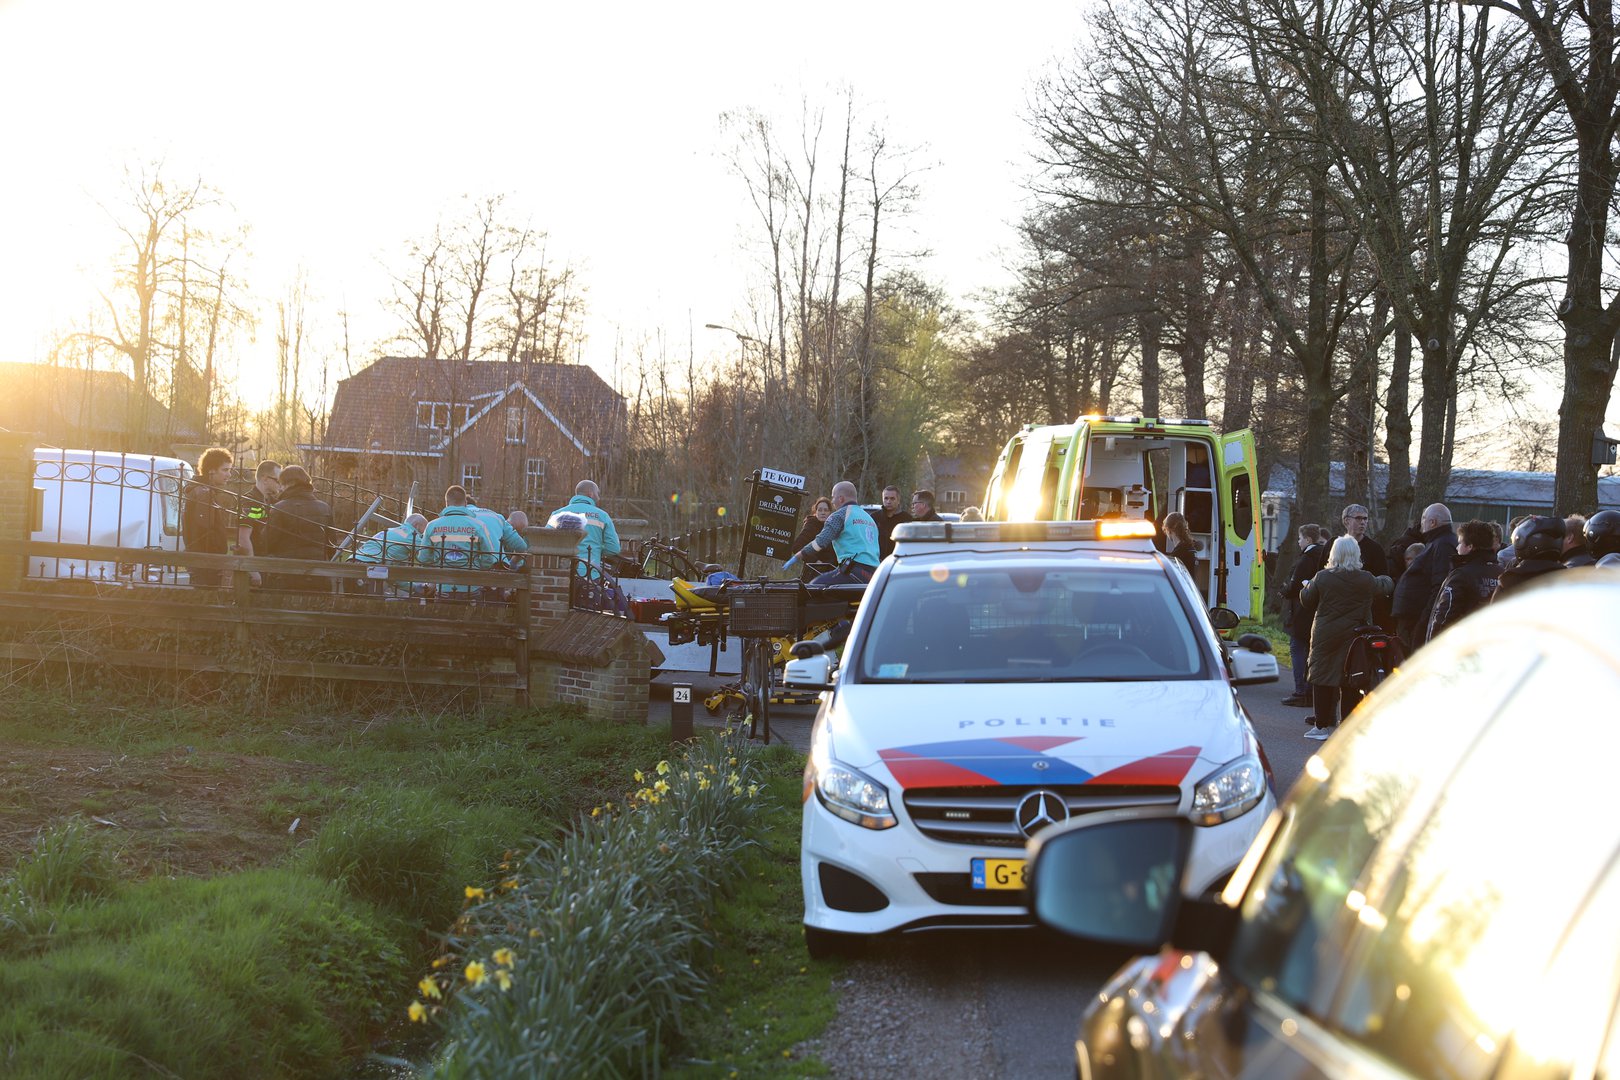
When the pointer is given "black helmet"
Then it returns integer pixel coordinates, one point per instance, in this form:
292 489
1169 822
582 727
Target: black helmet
1539 538
1603 533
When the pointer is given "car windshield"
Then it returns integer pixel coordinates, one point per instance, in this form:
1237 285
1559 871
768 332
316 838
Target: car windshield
1029 623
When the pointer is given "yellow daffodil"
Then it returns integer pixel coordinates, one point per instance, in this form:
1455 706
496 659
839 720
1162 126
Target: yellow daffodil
474 893
662 787
703 783
734 761
653 798
505 958
734 778
417 1012
429 988
509 884
503 979
663 768
534 931
475 974
639 777
596 811
440 962
753 789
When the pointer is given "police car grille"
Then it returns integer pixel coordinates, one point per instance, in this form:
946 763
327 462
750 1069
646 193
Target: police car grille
986 815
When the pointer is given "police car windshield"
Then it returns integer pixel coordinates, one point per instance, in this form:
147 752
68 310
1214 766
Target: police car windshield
1029 623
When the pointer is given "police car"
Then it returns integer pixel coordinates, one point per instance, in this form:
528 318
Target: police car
1000 678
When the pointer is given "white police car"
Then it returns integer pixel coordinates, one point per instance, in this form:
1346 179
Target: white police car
1000 678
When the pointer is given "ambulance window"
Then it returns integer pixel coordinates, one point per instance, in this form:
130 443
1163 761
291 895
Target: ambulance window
1242 505
169 489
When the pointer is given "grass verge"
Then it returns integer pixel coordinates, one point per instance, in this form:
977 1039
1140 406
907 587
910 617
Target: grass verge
191 891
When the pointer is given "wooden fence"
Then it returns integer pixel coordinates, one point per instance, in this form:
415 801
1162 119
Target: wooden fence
457 631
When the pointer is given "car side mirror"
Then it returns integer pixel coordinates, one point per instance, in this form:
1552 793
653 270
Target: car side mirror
1113 878
813 672
1223 618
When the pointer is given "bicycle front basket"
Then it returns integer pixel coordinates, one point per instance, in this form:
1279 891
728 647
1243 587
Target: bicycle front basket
763 610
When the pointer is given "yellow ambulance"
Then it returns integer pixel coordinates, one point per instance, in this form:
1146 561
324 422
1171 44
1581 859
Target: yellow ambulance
1103 467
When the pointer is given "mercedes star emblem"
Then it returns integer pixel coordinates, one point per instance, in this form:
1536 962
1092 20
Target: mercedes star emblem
1039 809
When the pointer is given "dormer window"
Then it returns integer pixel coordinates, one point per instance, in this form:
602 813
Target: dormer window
436 414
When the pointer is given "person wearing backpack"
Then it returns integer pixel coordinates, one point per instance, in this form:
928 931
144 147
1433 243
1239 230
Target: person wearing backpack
1339 602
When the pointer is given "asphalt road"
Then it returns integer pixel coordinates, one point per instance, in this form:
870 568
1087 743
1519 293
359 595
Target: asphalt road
985 1005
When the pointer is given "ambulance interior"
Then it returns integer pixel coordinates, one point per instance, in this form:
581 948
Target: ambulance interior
1148 477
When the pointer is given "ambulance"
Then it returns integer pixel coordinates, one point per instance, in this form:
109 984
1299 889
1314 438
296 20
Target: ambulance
1105 467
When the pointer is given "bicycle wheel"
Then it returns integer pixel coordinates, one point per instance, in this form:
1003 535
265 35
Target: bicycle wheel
757 669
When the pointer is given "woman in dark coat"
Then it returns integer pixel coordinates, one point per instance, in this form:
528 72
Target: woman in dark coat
1338 599
1179 542
820 511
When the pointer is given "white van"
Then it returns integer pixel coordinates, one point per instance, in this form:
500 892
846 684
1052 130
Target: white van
106 498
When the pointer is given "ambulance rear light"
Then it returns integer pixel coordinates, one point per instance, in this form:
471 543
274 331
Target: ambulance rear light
1028 532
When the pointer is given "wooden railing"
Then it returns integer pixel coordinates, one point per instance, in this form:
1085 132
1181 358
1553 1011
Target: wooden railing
451 627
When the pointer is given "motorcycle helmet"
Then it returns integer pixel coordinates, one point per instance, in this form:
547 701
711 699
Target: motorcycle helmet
1603 533
1539 538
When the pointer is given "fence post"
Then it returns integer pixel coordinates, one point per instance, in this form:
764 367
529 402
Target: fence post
243 589
16 501
522 613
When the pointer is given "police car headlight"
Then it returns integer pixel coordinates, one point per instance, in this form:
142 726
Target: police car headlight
1230 791
848 793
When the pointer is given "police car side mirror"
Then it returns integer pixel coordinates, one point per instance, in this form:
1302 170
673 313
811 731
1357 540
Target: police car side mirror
1223 618
812 672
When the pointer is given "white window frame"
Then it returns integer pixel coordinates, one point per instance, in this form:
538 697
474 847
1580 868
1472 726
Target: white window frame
514 423
534 480
439 414
472 475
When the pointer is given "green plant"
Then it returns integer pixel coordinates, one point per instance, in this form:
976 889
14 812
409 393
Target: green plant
69 861
590 952
408 849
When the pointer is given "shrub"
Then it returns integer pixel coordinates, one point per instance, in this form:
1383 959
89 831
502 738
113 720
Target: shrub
589 952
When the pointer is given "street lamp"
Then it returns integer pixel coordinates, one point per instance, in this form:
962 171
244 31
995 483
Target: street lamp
738 333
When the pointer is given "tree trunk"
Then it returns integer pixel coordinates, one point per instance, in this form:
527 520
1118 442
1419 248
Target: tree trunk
1398 437
1150 331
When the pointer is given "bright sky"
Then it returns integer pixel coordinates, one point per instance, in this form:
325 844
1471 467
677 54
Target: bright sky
339 130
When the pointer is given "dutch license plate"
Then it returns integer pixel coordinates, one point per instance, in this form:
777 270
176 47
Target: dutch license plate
999 873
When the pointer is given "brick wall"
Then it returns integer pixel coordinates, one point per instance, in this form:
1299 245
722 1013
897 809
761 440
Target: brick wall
551 561
601 662
16 499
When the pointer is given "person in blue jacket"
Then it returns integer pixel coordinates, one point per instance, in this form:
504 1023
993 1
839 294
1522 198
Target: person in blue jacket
508 540
851 533
601 538
458 539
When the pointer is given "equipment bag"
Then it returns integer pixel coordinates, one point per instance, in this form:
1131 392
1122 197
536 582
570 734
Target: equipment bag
1374 653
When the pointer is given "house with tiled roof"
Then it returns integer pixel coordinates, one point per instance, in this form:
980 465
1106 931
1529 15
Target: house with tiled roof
516 435
84 409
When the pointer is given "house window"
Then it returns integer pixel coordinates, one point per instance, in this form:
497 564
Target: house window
436 414
514 424
472 474
954 498
534 479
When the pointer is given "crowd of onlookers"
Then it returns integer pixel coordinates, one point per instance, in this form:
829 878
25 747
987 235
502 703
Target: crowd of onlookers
1346 588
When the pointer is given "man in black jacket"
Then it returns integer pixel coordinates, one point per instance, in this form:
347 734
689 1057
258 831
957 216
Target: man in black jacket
1538 543
1313 556
887 518
298 527
1415 591
1472 580
922 506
